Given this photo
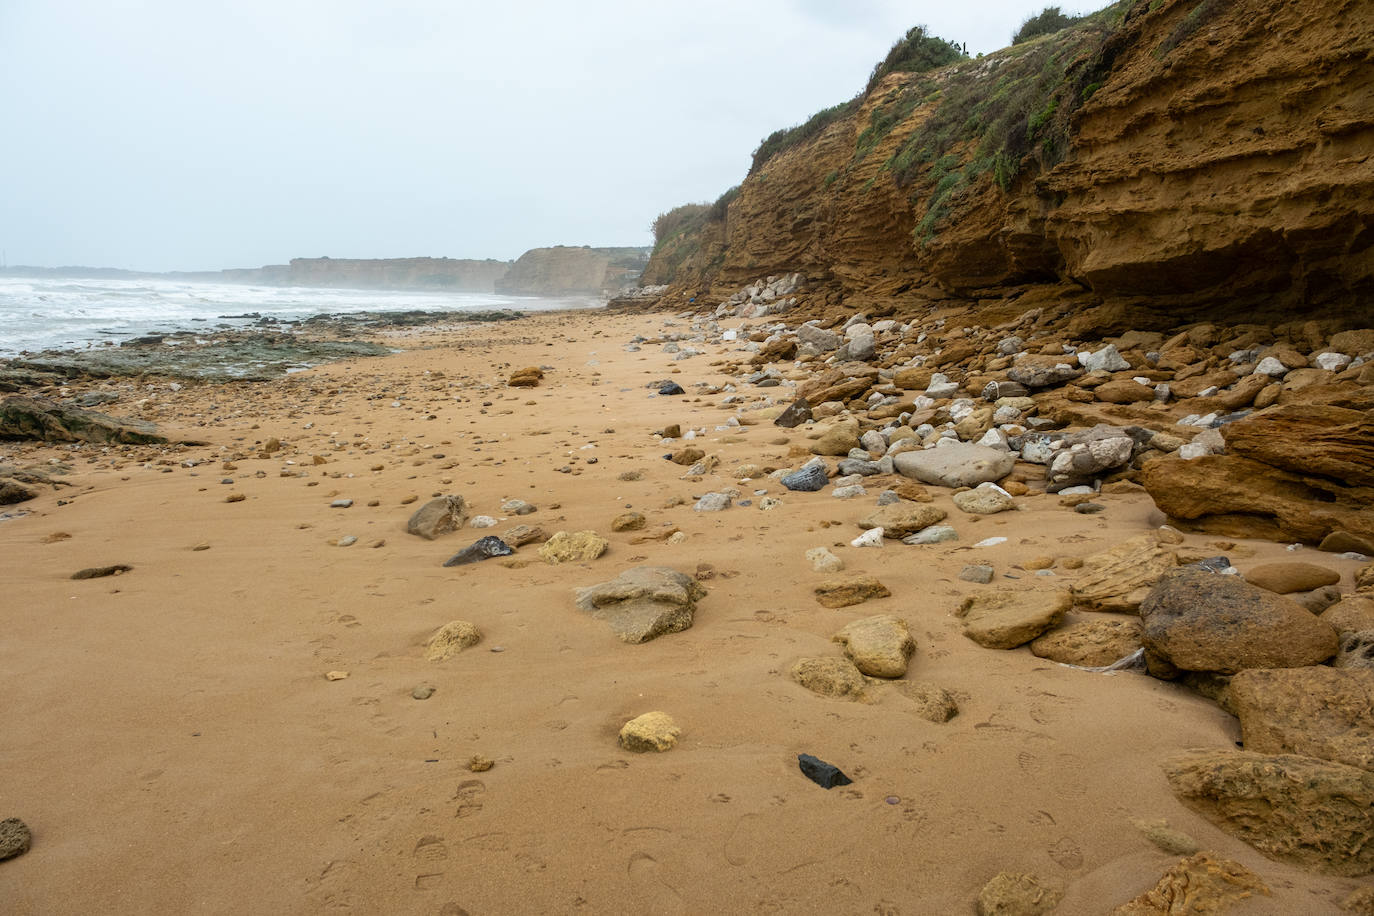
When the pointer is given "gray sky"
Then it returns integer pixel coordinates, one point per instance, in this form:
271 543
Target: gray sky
199 134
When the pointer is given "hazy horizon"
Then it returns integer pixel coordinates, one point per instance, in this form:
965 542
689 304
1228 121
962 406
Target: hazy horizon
159 136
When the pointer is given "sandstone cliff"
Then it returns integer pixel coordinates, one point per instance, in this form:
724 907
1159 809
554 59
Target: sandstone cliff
568 271
1161 162
395 273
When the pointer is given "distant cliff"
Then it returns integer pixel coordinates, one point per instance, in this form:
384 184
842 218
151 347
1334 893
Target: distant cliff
1162 159
567 271
378 273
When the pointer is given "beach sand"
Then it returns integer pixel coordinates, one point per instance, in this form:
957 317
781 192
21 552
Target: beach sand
172 739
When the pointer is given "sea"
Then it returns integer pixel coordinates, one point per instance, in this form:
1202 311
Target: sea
75 314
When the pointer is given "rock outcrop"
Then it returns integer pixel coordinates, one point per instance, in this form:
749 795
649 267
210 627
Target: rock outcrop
571 271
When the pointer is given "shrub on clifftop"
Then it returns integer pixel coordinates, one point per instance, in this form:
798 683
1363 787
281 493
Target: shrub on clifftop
1048 21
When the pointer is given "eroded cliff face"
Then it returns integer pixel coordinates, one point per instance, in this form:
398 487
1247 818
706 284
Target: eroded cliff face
1218 163
567 271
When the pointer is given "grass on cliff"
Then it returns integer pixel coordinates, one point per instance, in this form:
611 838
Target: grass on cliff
916 52
1002 115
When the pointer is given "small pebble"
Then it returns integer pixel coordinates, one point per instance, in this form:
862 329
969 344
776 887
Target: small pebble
347 540
423 692
341 504
479 764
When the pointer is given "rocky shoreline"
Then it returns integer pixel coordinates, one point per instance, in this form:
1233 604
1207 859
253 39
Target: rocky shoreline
1022 589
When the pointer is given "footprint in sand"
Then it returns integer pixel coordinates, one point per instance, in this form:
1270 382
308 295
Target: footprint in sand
469 797
649 881
745 840
333 887
1067 853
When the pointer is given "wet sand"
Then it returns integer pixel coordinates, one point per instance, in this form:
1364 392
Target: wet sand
172 739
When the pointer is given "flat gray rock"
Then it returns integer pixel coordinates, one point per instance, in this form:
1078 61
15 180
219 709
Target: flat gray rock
957 465
643 603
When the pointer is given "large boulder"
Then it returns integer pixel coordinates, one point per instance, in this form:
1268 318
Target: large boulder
1314 711
878 646
1287 578
643 603
1007 619
48 421
1119 578
1312 813
1291 473
1198 620
958 464
902 518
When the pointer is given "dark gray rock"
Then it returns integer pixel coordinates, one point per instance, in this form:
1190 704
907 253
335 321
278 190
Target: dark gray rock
671 388
807 480
823 774
797 413
481 549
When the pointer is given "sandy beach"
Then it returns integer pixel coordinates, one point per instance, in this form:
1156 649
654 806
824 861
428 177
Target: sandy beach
174 740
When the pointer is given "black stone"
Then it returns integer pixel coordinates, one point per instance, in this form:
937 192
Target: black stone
483 549
821 773
795 415
671 388
808 480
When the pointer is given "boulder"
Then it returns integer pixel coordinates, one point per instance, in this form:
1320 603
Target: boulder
1123 391
653 731
878 646
48 421
984 499
1083 461
829 677
1316 711
903 518
850 590
1007 619
1198 620
1291 473
1090 643
644 602
1309 812
1199 884
1286 578
450 639
439 516
958 464
1351 615
1118 579
821 339
573 547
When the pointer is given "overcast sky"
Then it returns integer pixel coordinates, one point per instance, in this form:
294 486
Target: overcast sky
200 134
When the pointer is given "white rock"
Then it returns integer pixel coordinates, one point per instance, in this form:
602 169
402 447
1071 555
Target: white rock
1107 358
990 542
483 521
873 537
1331 362
1271 367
